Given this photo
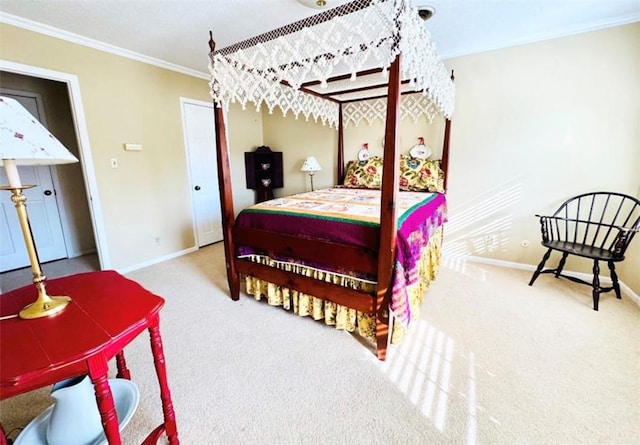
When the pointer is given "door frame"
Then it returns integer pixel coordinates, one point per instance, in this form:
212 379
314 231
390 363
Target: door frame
183 101
84 147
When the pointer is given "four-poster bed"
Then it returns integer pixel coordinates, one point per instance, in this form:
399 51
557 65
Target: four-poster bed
296 68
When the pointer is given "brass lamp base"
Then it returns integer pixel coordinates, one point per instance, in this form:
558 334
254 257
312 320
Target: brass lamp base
44 307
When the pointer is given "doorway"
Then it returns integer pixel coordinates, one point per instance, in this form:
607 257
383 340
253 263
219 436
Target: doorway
45 222
75 184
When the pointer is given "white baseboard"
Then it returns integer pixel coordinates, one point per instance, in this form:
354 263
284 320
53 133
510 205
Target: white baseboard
474 259
161 259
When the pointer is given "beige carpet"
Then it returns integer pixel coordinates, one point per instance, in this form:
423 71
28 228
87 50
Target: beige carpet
491 360
19 277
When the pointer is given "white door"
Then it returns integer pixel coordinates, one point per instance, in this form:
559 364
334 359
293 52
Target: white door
200 145
42 209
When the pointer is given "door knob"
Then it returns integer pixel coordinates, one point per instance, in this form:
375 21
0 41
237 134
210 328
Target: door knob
47 192
197 187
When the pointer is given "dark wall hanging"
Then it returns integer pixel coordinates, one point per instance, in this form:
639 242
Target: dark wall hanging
263 169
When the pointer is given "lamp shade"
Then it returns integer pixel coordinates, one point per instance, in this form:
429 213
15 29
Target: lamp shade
311 165
24 139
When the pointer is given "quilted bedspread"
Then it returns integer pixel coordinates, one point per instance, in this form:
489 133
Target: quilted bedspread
352 216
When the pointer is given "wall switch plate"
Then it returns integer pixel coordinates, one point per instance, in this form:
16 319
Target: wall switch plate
133 147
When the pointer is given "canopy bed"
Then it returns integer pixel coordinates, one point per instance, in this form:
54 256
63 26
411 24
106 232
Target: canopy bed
338 67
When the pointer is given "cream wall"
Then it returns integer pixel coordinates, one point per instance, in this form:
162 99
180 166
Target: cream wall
410 131
298 139
126 101
536 124
244 129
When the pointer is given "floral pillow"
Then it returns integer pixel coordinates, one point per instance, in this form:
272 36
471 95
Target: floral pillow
421 175
364 174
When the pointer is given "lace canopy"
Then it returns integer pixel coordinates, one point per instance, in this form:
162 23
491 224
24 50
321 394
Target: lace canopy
279 68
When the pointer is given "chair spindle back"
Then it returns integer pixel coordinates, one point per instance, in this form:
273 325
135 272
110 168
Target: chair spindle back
594 219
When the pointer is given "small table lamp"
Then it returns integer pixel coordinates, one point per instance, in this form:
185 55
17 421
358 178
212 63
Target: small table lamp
24 141
311 166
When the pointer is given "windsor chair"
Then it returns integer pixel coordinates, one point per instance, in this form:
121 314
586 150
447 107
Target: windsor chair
599 226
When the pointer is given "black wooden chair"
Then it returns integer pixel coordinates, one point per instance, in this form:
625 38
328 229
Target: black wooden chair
598 226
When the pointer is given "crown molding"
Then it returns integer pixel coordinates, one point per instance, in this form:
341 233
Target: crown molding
101 46
51 31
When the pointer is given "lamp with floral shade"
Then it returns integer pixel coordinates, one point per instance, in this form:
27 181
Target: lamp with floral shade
25 141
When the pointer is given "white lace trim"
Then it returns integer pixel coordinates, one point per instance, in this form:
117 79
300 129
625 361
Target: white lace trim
413 106
357 36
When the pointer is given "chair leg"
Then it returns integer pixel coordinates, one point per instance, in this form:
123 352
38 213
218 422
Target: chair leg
561 264
614 279
596 284
540 266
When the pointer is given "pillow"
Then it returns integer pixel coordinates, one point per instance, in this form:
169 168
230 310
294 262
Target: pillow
364 174
421 175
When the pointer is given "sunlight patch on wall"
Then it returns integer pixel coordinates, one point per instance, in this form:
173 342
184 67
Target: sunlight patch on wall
490 237
481 226
494 201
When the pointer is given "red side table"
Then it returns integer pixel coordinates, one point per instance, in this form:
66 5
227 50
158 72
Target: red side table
106 313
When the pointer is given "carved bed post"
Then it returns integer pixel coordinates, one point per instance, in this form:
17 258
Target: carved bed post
445 152
388 222
445 147
340 146
226 194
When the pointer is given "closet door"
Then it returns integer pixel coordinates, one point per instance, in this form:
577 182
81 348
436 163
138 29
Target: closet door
200 145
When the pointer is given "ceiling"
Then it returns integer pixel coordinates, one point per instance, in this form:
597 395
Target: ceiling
176 32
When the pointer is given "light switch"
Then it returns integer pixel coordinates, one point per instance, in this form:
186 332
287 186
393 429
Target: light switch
133 147
114 163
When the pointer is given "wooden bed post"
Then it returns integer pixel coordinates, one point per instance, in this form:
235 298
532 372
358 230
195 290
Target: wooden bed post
226 195
388 221
340 146
445 152
445 146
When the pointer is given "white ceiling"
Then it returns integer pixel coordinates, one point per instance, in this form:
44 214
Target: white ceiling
176 32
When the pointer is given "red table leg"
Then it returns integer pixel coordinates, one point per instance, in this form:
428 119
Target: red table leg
123 371
3 436
161 370
98 372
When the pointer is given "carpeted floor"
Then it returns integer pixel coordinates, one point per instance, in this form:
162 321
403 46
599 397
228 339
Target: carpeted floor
491 360
20 277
